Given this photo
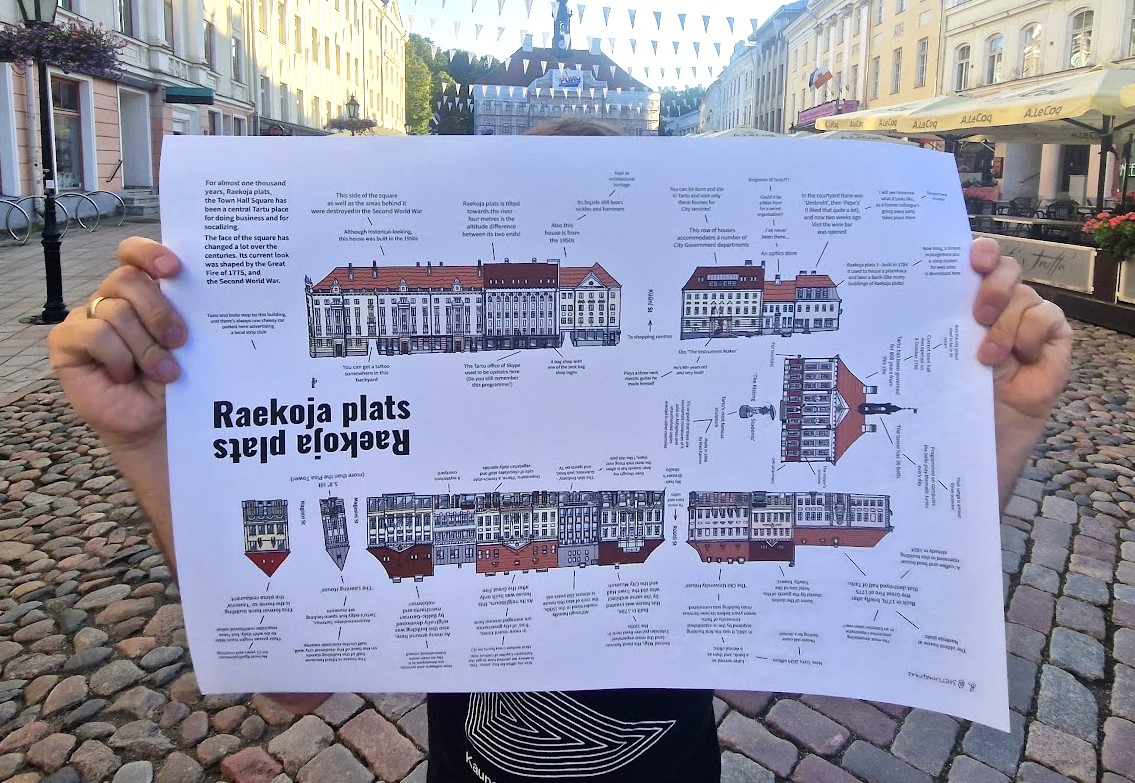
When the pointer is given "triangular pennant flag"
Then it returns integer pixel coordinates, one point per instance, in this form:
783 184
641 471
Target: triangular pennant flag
500 7
579 7
678 71
456 28
478 28
682 21
410 26
528 7
507 63
611 41
443 4
754 23
561 66
469 56
591 90
658 19
655 45
705 23
619 90
537 93
474 6
729 19
646 70
710 69
606 14
543 66
544 42
613 68
449 54
500 32
433 23
675 46
697 48
663 72
433 51
439 105
526 65
717 46
631 13
634 45
594 70
694 69
498 90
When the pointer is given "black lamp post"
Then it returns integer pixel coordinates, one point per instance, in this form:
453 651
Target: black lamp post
353 108
42 12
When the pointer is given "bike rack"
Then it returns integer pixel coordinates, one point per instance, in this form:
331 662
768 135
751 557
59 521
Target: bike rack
8 221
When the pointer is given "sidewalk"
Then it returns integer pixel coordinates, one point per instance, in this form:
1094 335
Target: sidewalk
87 257
96 683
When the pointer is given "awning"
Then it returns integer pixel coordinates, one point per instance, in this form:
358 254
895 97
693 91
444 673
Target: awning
885 118
740 130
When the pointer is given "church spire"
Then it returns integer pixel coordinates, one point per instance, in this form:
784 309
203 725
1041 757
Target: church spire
561 38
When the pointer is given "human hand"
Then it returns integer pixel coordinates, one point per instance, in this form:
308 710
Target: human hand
1029 346
114 359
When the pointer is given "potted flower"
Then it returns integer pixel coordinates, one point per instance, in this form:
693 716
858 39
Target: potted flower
71 47
1113 233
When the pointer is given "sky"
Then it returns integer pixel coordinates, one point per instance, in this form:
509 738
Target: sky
453 24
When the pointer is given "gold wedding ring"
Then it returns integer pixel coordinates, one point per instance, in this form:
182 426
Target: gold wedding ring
92 305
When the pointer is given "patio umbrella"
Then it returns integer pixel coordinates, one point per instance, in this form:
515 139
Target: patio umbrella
884 118
741 130
855 136
1080 107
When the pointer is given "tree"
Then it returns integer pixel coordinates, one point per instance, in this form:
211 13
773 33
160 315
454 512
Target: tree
448 109
419 88
675 102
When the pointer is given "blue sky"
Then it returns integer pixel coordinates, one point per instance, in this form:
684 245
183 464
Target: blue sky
453 24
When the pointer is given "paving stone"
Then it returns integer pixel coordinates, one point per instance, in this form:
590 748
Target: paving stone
1119 747
95 729
1022 683
173 713
967 770
66 694
421 774
194 728
1081 616
877 766
51 752
1103 551
1041 578
748 736
95 761
1085 588
809 728
1024 642
1053 557
736 768
24 736
1014 540
388 754
103 597
180 768
339 708
212 749
393 706
334 763
1035 773
115 676
1031 608
1067 705
1021 507
1090 566
9 764
84 712
999 749
863 719
1078 653
1123 646
748 703
300 743
415 725
1060 509
1050 532
141 738
1125 593
252 728
66 774
813 769
925 740
1123 692
251 765
1062 752
135 772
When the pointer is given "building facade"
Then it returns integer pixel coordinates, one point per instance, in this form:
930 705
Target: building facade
266 533
742 527
993 45
456 309
333 515
501 532
737 301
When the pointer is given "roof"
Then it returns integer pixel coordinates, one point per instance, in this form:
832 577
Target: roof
851 427
814 281
748 278
391 277
531 274
573 276
522 68
780 291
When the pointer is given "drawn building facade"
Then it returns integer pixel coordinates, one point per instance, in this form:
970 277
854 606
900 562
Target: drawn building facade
741 527
266 533
738 301
454 309
333 515
501 532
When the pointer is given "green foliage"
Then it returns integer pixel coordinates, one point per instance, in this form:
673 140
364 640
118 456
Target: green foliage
675 102
440 73
419 89
355 126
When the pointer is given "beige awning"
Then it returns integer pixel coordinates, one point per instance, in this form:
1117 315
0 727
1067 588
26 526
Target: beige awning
855 136
740 130
885 118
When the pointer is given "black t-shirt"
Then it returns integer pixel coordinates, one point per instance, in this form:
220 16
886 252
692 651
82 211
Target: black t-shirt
614 736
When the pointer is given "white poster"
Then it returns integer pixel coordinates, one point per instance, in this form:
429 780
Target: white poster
682 414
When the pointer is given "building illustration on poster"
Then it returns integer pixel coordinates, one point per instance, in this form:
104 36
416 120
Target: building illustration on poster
333 514
738 301
743 527
266 533
824 409
496 306
502 532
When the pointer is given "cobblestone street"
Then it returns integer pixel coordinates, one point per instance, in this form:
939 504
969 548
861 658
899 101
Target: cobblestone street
96 682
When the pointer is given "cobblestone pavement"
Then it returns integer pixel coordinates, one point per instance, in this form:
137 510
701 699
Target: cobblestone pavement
96 685
86 258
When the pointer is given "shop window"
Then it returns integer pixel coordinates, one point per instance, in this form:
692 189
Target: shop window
68 121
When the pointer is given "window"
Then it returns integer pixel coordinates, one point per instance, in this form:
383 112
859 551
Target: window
994 53
209 38
857 24
326 52
853 83
338 60
299 106
265 95
896 71
68 121
922 55
1080 39
876 65
238 59
1131 30
126 17
262 15
839 33
281 22
313 53
900 6
284 101
879 11
961 67
297 30
167 19
315 115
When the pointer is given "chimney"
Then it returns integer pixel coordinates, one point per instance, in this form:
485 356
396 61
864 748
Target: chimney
374 270
350 271
417 263
429 268
527 46
480 269
534 259
748 262
595 46
776 280
441 263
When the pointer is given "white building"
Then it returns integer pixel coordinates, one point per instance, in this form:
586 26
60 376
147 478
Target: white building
590 305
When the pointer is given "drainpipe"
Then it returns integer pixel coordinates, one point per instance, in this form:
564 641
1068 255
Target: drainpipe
34 156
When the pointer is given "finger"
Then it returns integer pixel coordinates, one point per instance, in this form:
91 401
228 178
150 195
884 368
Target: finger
153 258
1040 325
1001 339
996 290
150 357
86 342
984 254
145 297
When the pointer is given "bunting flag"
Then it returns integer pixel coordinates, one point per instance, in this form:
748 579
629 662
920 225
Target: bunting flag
663 72
682 21
697 48
611 42
528 7
500 32
678 72
498 90
675 47
705 23
606 14
579 8
508 63
658 19
433 51
755 24
594 70
710 69
478 28
410 26
729 20
694 70
474 6
655 45
449 54
433 23
544 40
526 65
613 68
500 7
634 45
646 70
456 28
631 13
543 66
717 46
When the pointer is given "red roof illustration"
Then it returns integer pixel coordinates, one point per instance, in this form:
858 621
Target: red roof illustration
268 562
814 281
851 427
748 278
780 292
525 275
362 278
572 276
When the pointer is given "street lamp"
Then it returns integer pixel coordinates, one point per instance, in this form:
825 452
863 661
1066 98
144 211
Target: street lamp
352 108
42 12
